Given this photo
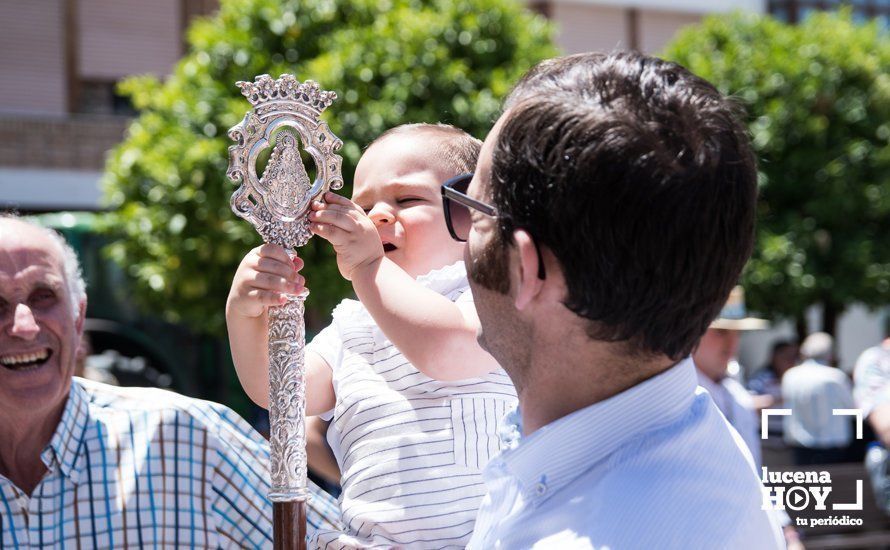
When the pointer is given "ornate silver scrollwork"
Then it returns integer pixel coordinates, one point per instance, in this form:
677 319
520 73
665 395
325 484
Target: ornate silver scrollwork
285 115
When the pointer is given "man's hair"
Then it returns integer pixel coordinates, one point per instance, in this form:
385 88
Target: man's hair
639 178
457 150
77 288
818 346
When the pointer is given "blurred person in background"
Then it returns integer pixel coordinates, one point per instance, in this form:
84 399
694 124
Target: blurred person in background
812 390
872 395
872 386
719 346
766 383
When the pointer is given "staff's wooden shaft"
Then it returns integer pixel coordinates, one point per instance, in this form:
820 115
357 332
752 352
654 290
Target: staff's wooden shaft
289 525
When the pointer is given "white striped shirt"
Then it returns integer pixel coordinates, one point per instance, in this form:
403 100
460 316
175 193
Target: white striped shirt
656 466
411 449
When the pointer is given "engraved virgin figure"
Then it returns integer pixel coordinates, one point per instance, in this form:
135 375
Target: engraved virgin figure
285 181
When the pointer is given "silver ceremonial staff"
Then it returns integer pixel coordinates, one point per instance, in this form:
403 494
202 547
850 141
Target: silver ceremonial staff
285 117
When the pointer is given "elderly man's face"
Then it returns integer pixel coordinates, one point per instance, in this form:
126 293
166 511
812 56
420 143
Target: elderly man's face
39 332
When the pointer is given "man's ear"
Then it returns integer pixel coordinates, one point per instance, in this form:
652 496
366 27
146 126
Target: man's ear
529 284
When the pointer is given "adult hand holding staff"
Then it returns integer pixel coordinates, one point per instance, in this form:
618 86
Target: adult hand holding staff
285 117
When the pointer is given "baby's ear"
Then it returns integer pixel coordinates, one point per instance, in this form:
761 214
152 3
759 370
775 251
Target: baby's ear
529 284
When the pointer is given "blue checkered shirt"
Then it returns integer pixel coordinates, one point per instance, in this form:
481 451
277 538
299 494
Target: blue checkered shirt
146 468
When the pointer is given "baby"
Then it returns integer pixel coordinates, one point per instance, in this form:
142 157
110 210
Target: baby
414 401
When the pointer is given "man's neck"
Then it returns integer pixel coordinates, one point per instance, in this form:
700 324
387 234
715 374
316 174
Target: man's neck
22 440
577 373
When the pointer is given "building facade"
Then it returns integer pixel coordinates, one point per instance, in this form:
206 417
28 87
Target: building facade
59 113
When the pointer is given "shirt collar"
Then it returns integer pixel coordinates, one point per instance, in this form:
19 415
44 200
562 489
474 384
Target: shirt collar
590 435
718 391
707 383
65 446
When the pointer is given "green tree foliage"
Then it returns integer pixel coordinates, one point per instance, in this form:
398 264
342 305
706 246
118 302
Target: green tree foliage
390 61
818 100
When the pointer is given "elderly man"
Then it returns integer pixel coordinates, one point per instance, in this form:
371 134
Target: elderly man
609 217
813 390
83 464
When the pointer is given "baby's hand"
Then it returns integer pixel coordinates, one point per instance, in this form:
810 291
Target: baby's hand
264 278
352 233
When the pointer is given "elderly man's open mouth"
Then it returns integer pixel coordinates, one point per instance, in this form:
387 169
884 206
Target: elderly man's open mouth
27 360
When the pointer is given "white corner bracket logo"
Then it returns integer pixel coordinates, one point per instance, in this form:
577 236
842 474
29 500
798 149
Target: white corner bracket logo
797 490
764 419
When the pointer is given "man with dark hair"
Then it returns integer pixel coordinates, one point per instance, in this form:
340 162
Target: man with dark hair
609 217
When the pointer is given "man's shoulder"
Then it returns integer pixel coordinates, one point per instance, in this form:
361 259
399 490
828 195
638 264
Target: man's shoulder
799 374
813 376
135 398
873 355
699 450
161 407
762 376
685 483
694 501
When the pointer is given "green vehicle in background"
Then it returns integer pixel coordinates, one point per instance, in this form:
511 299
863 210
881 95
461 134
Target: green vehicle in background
136 348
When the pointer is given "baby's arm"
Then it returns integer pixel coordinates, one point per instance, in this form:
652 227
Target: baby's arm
435 334
263 279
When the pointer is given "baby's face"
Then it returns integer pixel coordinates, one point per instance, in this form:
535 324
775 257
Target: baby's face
397 182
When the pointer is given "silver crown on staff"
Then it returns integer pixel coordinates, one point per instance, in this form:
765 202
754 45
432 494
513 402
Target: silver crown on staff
285 116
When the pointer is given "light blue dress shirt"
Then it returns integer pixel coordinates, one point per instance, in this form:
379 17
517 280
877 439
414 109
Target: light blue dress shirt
656 466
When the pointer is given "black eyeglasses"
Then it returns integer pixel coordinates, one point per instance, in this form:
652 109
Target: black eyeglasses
456 204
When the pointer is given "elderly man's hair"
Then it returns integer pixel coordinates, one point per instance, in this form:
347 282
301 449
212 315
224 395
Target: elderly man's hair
818 346
455 149
77 288
640 179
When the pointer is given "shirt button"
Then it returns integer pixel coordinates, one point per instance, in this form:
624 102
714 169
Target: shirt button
540 488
